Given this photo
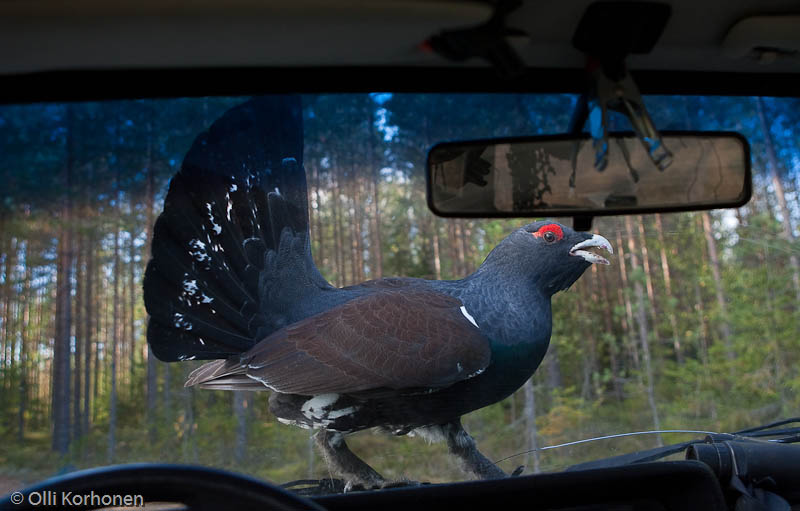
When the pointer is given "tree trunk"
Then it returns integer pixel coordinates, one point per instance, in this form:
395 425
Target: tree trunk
374 184
79 335
437 261
641 319
88 311
777 184
132 299
589 286
61 349
6 356
40 376
5 250
99 310
376 226
455 270
466 243
337 237
167 391
317 231
102 336
554 380
648 279
623 294
670 301
152 367
530 427
459 241
189 438
115 328
24 349
11 356
702 334
240 404
702 330
351 228
355 228
122 352
613 349
311 450
725 329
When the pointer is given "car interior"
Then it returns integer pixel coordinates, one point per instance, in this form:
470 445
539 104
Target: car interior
623 67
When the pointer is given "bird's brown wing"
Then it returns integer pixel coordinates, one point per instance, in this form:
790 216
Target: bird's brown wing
393 338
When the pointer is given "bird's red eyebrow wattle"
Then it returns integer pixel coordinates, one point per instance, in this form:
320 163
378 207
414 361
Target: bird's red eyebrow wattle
554 228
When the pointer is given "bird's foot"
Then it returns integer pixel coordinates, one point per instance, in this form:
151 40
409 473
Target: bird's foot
463 447
341 460
518 471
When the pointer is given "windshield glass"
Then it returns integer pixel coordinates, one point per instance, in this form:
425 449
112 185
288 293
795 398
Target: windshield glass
693 325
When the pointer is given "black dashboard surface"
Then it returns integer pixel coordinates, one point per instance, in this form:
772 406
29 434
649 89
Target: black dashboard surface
673 485
684 485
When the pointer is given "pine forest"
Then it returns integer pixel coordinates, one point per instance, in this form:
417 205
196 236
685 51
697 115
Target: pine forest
695 325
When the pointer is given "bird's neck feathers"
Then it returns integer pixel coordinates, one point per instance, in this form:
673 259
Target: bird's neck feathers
507 304
510 268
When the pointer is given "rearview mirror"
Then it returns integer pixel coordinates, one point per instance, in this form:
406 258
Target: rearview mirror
556 176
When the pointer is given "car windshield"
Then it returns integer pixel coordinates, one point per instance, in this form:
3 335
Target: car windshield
693 325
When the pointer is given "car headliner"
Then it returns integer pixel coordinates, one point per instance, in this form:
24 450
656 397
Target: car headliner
39 37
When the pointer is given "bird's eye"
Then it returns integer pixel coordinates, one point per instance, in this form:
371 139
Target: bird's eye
550 233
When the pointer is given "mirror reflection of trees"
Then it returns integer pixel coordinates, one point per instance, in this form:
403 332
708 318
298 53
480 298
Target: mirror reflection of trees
695 324
530 173
553 175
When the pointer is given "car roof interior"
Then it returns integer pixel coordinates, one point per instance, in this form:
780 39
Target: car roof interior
712 46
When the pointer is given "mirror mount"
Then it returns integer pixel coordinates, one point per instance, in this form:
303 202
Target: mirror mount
607 33
582 223
576 123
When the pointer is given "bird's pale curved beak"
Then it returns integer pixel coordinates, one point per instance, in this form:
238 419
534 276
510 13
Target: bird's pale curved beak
595 241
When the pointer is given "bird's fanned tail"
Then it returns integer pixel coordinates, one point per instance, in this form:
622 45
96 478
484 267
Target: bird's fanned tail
231 255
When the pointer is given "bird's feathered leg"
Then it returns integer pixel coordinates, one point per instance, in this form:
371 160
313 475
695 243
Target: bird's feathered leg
463 446
341 460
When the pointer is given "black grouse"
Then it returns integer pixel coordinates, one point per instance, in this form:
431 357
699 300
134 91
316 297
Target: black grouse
232 278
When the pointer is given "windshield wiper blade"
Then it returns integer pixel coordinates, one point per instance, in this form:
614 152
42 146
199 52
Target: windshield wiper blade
747 432
777 432
634 457
789 435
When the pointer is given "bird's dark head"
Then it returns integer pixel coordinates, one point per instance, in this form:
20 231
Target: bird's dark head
548 254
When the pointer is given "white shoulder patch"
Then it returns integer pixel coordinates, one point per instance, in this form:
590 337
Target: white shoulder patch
468 316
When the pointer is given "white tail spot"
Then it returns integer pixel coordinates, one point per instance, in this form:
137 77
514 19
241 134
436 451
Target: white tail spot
318 406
